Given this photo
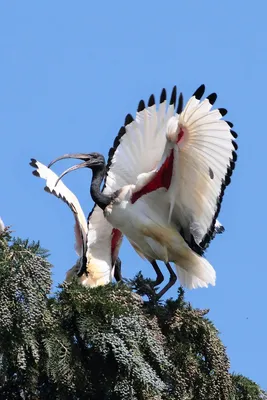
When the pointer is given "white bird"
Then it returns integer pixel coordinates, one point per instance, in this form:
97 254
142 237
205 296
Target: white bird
98 246
166 181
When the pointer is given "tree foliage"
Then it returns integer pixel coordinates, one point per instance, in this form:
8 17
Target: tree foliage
105 342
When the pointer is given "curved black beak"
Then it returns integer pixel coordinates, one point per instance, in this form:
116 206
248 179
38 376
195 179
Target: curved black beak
82 165
77 156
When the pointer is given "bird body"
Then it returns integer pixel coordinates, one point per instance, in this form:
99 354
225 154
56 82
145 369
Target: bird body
144 224
171 211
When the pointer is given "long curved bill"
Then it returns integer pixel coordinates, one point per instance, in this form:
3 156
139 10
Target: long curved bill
77 156
82 165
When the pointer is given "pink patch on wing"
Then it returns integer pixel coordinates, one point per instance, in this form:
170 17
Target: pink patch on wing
180 135
115 240
162 179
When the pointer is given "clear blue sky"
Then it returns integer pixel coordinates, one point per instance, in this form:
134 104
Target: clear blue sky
71 71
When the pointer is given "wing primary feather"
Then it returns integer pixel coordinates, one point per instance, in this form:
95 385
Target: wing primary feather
35 172
173 96
234 134
33 163
163 95
121 132
199 92
229 123
222 111
212 98
180 104
141 106
232 165
234 155
151 101
128 119
235 145
111 152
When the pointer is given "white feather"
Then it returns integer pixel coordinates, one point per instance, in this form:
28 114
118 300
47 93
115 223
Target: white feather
97 239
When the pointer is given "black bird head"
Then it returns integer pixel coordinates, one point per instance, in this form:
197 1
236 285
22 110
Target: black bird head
91 160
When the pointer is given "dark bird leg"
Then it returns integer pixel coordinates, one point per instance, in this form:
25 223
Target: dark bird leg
151 286
172 280
117 270
82 269
160 277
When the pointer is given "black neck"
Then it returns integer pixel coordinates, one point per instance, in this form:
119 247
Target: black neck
98 197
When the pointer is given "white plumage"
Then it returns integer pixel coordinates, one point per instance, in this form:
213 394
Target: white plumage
179 166
207 148
95 242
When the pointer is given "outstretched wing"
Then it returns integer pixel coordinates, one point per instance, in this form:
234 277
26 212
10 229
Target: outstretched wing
204 148
62 192
137 149
139 145
196 165
138 152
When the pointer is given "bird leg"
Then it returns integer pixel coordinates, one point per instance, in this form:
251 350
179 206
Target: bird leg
150 286
82 270
160 277
172 280
117 270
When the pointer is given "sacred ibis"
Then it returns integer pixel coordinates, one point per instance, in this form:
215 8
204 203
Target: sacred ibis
166 181
98 246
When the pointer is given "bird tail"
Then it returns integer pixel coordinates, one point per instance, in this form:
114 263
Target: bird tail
194 271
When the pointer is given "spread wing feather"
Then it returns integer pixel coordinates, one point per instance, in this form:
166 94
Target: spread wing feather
206 159
140 146
140 143
62 192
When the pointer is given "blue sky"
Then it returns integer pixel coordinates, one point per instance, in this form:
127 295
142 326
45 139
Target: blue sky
70 72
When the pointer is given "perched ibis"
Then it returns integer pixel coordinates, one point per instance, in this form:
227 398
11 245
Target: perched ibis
165 182
96 242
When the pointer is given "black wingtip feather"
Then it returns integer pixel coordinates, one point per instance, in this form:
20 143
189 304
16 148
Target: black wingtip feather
36 173
111 152
46 189
121 132
199 92
230 124
141 106
163 96
180 104
232 165
234 134
128 119
227 180
116 142
234 155
220 229
151 101
173 96
235 145
33 163
222 111
212 98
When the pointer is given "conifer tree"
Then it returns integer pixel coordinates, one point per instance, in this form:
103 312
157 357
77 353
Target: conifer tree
105 342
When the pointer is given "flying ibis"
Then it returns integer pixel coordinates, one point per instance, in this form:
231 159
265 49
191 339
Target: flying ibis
165 182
